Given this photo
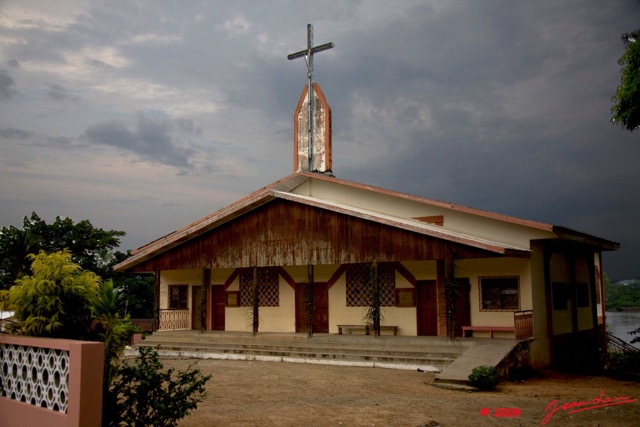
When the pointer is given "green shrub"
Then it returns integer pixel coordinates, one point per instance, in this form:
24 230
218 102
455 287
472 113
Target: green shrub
484 377
619 361
143 394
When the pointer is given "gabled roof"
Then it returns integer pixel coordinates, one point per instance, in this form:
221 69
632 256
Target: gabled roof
283 189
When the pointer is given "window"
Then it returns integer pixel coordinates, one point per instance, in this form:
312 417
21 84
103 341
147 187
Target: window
499 293
268 287
358 278
233 299
560 295
178 297
405 297
583 294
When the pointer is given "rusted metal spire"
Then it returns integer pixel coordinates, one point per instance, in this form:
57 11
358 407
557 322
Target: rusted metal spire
308 56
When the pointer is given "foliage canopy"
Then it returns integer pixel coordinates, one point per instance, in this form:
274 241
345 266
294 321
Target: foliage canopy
94 249
56 300
626 109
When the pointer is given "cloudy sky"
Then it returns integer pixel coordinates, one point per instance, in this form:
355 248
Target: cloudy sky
143 116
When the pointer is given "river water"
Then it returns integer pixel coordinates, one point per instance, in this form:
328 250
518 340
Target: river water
619 323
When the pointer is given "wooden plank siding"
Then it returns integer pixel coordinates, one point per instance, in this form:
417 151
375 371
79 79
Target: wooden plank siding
285 233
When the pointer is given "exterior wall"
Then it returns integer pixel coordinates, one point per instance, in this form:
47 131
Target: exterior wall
600 308
540 347
237 318
282 318
83 382
179 277
585 314
493 267
453 219
272 319
559 272
574 341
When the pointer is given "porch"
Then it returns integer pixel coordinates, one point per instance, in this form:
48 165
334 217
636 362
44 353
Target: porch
453 360
183 320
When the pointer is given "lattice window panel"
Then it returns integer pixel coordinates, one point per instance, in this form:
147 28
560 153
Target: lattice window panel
268 287
357 277
178 297
34 375
387 277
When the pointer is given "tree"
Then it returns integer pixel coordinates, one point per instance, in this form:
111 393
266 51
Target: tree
138 294
626 108
56 300
15 245
94 249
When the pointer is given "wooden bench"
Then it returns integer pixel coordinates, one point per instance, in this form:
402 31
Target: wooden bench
367 328
490 329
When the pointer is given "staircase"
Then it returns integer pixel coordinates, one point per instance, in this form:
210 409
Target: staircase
430 354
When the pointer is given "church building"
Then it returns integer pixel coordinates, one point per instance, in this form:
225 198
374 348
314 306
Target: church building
297 256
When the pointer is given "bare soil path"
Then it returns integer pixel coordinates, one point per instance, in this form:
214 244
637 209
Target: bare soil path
291 394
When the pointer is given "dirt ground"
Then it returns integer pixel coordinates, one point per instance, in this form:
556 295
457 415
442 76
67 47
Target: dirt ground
244 393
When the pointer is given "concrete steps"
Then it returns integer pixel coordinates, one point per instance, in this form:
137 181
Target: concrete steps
431 354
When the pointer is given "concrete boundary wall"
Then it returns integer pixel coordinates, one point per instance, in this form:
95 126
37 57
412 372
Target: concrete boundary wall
50 382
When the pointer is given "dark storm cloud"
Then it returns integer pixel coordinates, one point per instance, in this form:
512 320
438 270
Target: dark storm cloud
151 139
57 92
502 106
7 85
13 133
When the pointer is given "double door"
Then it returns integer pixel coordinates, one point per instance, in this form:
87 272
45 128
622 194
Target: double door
314 309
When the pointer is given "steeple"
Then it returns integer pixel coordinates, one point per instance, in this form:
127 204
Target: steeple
316 158
312 118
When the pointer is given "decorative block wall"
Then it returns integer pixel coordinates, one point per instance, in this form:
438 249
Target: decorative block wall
50 382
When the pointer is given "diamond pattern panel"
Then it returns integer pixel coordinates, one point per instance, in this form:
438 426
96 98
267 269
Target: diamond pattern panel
268 287
38 376
387 276
357 276
357 285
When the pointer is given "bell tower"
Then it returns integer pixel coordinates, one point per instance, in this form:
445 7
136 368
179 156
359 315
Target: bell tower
312 118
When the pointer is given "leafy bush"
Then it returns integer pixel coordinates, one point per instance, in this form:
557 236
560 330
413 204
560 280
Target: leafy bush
484 377
143 394
56 300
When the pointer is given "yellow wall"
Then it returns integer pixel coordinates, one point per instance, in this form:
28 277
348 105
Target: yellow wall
177 277
282 318
272 319
454 219
585 314
599 281
539 348
473 269
559 272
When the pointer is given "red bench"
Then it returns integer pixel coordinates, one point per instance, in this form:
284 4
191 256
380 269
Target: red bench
490 329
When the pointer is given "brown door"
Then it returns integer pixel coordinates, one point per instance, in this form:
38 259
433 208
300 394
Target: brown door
197 308
217 307
320 308
426 308
463 308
